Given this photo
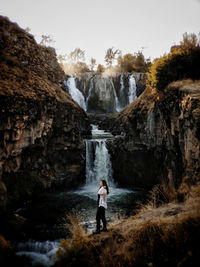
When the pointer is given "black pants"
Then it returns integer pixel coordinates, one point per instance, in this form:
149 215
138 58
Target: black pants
100 216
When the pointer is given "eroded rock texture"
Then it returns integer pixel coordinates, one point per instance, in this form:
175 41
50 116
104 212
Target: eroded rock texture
41 127
158 136
105 94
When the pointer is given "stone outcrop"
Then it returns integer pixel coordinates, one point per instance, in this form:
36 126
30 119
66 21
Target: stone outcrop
41 127
98 92
105 94
158 137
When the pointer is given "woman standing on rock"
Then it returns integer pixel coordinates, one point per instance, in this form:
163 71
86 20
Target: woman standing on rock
102 205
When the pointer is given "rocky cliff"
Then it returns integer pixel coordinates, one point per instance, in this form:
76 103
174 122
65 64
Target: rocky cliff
105 94
158 136
42 128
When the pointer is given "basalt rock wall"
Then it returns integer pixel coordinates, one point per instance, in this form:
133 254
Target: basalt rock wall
41 127
158 137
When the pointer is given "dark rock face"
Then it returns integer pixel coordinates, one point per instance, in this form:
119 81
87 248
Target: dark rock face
157 137
42 128
105 94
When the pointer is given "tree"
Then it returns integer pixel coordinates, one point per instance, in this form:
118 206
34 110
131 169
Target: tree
100 68
77 55
81 67
141 64
46 39
189 42
126 63
110 56
75 62
136 62
92 63
183 62
62 60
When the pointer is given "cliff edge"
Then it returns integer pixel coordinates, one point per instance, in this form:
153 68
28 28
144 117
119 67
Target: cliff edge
41 126
158 136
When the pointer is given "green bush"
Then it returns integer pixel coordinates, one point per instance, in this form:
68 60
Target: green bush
183 62
133 63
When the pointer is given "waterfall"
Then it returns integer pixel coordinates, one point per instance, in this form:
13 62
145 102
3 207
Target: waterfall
75 93
121 85
132 89
89 93
117 104
122 93
98 163
40 253
98 166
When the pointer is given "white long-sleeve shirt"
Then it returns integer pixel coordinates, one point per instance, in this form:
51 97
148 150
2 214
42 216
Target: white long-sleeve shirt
103 197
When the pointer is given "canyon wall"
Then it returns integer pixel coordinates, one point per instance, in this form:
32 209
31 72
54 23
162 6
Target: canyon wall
158 137
42 128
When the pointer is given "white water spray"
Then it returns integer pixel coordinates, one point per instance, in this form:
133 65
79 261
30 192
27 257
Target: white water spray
98 163
132 89
121 85
89 93
40 253
117 104
75 93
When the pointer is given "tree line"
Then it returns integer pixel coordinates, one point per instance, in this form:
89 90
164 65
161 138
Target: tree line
75 62
180 63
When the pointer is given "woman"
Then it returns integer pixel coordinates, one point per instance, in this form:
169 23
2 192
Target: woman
102 205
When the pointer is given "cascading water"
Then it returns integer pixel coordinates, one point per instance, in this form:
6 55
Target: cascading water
132 89
103 89
121 85
98 163
40 253
89 93
117 104
75 92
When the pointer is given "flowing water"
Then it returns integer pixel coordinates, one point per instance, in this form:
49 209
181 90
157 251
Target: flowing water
132 89
49 213
89 93
117 104
124 97
75 92
40 253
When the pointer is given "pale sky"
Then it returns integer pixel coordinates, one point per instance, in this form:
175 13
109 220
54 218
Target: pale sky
95 25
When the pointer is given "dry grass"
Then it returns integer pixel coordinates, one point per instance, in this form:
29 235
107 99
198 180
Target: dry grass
165 192
165 236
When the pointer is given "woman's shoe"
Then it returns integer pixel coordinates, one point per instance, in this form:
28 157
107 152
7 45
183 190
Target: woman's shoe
104 230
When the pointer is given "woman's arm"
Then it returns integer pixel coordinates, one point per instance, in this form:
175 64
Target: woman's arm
102 191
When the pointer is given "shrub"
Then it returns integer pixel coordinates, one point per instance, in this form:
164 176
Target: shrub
133 63
183 62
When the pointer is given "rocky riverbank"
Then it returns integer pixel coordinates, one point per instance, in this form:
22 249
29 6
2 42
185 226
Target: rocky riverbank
41 128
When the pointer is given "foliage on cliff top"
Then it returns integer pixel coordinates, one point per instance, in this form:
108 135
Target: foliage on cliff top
133 63
183 62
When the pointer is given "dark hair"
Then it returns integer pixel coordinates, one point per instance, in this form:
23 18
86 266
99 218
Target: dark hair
105 184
